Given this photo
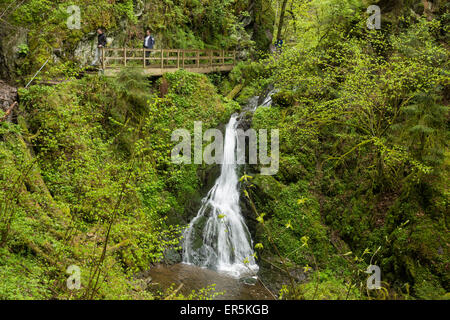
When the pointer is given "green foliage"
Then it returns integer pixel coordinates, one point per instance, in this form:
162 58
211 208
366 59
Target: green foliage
292 220
283 98
188 24
329 288
253 76
363 125
23 49
21 277
102 148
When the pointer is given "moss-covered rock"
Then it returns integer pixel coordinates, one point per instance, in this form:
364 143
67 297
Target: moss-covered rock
267 186
283 99
197 233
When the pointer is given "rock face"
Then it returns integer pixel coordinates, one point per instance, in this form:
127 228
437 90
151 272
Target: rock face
85 50
8 95
10 40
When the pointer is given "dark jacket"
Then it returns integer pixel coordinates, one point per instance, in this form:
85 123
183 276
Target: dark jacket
102 40
150 44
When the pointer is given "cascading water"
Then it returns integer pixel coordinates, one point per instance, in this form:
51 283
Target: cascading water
218 237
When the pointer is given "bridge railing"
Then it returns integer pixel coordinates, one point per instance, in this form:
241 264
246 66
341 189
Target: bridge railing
166 58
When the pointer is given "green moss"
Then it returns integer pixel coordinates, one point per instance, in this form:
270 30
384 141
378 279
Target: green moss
292 215
283 99
268 186
22 277
329 288
427 286
199 226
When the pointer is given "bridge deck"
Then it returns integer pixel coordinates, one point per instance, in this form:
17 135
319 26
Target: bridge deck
159 61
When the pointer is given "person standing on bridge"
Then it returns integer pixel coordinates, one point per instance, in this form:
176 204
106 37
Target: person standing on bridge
101 43
149 41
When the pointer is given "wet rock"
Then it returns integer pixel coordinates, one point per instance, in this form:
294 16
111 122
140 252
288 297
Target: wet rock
249 280
265 94
249 217
252 103
207 176
197 234
172 256
8 95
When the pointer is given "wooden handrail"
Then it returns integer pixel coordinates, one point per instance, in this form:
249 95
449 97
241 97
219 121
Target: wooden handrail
168 58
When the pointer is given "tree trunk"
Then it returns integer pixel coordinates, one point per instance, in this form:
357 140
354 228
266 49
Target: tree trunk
281 22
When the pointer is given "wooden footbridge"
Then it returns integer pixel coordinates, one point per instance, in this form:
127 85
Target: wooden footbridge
156 62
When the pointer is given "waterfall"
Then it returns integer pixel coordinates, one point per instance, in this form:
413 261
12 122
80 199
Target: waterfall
264 100
218 237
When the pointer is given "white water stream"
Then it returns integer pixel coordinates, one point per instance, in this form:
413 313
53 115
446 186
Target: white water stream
218 237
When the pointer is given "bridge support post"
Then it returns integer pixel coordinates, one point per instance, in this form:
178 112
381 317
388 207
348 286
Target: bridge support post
183 59
103 58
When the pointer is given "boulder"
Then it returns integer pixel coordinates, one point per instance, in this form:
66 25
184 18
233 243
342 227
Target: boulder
172 256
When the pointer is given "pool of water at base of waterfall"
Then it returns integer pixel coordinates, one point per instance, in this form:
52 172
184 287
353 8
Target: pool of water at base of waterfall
194 278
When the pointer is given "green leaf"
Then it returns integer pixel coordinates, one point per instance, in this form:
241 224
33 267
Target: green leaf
304 241
260 218
259 246
289 225
245 178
